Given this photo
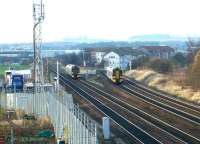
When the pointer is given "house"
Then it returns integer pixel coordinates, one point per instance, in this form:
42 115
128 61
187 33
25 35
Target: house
120 60
99 57
162 52
112 59
96 55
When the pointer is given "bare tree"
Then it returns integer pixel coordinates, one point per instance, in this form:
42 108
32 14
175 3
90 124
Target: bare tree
193 45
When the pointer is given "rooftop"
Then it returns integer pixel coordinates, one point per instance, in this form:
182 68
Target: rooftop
158 48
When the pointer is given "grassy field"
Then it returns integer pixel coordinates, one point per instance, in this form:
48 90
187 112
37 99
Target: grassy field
3 68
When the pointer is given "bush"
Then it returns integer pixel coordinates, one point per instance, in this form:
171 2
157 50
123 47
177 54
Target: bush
194 72
179 60
142 61
160 65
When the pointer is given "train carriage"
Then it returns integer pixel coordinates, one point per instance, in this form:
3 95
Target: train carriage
72 70
114 74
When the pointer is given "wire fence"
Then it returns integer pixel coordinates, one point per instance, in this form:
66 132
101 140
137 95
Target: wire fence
70 122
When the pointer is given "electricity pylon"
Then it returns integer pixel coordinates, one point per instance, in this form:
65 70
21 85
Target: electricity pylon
38 18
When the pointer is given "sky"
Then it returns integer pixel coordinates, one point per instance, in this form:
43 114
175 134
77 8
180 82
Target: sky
100 19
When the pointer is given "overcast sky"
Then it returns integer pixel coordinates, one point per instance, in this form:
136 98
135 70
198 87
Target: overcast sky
105 19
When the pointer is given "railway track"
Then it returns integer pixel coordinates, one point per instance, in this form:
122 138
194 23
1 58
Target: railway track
181 135
137 133
182 111
117 134
175 135
180 104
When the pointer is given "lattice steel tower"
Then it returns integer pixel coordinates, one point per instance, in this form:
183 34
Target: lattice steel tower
38 18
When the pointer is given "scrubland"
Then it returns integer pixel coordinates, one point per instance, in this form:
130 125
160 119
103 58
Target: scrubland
170 83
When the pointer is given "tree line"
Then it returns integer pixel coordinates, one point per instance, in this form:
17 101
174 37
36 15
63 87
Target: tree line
189 62
161 65
74 58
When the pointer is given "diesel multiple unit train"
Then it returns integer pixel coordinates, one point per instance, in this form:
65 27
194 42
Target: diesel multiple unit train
114 74
72 70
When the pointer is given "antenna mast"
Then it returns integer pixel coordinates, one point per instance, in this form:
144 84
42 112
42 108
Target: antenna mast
38 18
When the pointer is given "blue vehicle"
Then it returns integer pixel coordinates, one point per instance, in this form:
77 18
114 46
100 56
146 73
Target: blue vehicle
17 82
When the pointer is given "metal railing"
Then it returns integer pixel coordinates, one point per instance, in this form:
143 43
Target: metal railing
69 121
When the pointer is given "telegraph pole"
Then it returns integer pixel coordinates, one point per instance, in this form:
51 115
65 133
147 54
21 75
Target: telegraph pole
58 89
84 62
38 18
130 65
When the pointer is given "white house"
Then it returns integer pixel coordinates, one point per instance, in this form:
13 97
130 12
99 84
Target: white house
112 59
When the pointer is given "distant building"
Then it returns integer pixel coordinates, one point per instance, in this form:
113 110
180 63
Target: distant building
125 61
113 59
162 52
98 56
26 73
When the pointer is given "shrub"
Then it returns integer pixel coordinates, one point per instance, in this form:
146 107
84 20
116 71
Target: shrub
194 72
160 65
179 60
142 61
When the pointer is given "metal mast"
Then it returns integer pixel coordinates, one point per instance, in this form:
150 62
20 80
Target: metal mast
38 18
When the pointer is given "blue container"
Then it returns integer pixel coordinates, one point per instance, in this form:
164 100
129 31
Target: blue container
17 82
